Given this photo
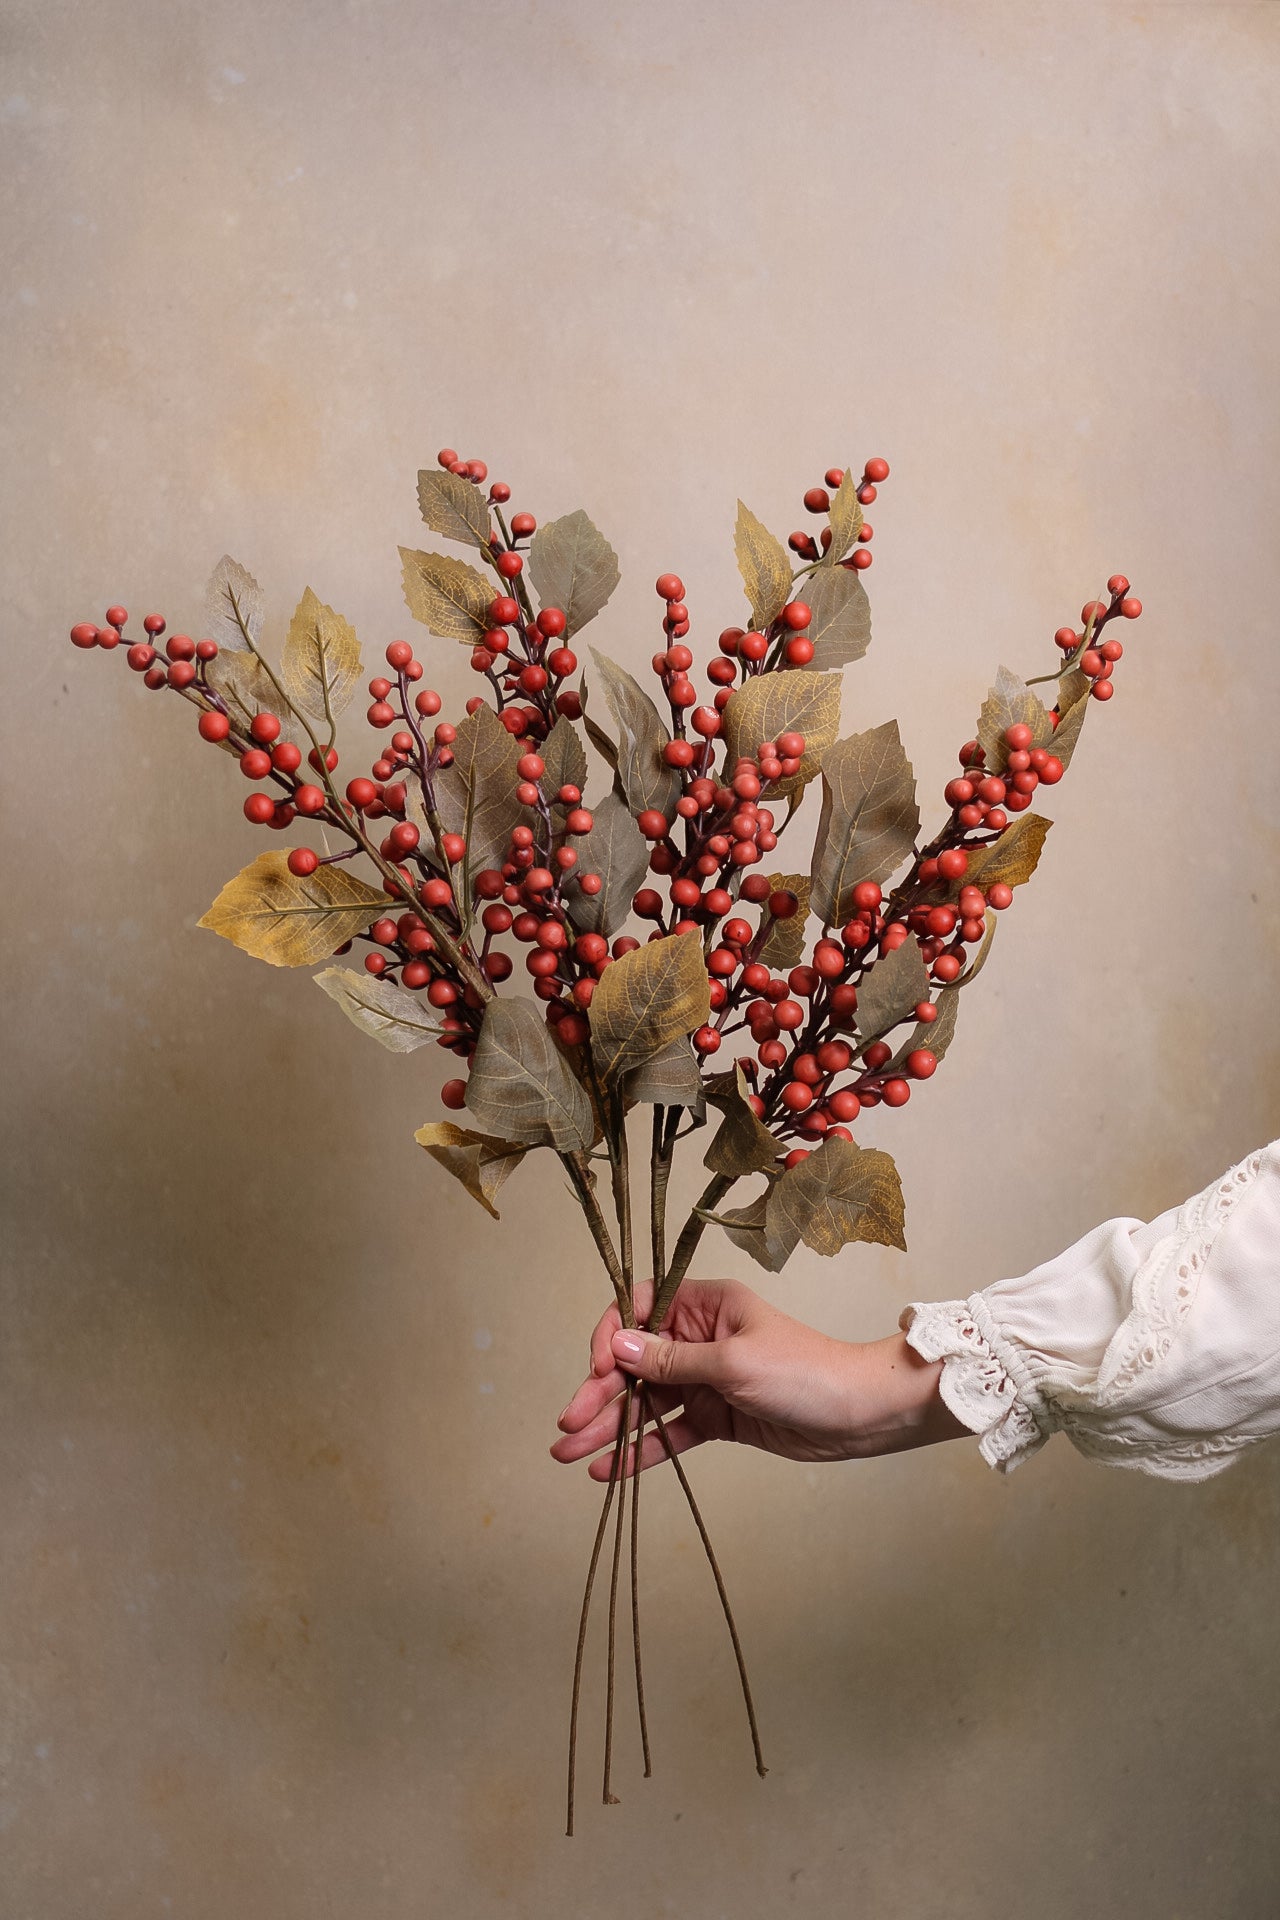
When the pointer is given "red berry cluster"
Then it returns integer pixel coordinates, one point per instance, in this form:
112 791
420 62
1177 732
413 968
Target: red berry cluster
817 500
1096 658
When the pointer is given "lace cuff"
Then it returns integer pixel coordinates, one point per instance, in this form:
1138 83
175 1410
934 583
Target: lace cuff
982 1381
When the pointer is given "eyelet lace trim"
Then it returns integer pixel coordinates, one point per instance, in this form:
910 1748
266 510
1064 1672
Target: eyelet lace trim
1008 1413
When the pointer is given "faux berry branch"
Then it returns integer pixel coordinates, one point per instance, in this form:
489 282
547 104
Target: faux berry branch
478 832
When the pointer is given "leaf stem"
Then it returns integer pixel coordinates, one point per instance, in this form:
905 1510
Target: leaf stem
582 1634
619 1472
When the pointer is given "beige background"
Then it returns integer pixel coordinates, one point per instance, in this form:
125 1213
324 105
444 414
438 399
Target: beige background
289 1579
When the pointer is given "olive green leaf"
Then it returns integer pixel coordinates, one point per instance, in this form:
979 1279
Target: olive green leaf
743 1144
765 569
1011 703
890 989
841 1193
446 595
936 1036
573 567
1012 858
454 507
320 666
869 818
846 524
290 921
481 1162
399 1020
617 851
785 940
670 1078
745 1227
840 627
521 1087
646 779
233 591
565 760
794 702
642 1002
476 794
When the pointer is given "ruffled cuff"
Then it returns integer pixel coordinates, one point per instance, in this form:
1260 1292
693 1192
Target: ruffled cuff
983 1380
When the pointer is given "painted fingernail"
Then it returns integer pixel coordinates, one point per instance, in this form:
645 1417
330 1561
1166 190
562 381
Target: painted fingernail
560 1416
627 1346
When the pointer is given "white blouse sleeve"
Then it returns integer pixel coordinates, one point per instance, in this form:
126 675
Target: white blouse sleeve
1152 1346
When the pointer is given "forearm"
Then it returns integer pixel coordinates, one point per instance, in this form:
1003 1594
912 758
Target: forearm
894 1398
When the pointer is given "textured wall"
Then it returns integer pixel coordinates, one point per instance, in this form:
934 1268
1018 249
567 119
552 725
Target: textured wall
289 1580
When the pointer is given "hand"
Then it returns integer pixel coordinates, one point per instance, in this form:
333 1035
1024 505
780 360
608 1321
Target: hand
728 1366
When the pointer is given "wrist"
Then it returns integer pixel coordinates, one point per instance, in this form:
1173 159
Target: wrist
896 1401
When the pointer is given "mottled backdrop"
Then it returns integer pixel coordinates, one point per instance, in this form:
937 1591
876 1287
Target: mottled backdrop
289 1579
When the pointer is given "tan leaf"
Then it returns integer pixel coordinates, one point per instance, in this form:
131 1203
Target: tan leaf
979 959
521 1087
1012 858
1011 702
447 595
565 759
745 1227
784 943
476 794
841 1193
650 997
573 567
797 701
481 1162
289 921
846 521
1067 732
647 780
618 852
936 1036
399 1020
320 667
890 988
454 507
670 1078
765 569
840 627
743 1144
869 818
232 592
245 688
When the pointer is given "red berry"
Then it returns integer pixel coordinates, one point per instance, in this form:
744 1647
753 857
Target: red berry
286 757
1102 689
551 621
140 657
303 861
707 1040
653 824
214 726
308 799
789 1015
953 863
453 846
896 1093
1052 770
818 500
921 1063
441 993
155 677
259 808
453 1094
510 565
1019 737
669 587
877 469
264 727
796 1096
796 616
153 624
181 674
522 525
1067 638
399 654
799 652
562 661
1130 607
753 646
866 495
1092 612
255 764
381 715
119 617
946 967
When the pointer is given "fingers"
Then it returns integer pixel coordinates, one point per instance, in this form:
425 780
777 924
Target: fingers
608 1324
594 1393
602 1430
681 1433
675 1363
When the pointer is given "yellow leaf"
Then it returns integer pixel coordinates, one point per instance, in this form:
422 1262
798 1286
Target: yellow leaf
399 1020
1067 732
454 507
647 999
234 603
785 940
290 921
797 701
841 1193
765 569
1012 858
743 1143
1010 703
447 595
320 666
478 1160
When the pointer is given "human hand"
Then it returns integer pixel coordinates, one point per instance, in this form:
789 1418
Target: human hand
729 1366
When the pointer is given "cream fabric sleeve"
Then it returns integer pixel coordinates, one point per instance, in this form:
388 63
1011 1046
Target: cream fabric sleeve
1153 1346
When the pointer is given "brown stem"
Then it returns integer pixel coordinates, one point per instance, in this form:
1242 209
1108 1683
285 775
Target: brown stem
609 1798
717 1576
582 1635
635 1581
579 1172
659 1175
690 1234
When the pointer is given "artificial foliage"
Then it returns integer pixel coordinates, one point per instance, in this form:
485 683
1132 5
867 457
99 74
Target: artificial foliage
624 844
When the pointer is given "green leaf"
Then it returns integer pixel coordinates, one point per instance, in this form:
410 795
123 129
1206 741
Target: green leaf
399 1020
670 1078
840 1194
1011 703
478 1160
846 522
446 595
476 794
784 943
1012 858
841 625
573 567
1067 732
765 569
869 818
321 659
618 852
743 1144
521 1088
290 921
565 759
937 1035
233 588
454 507
604 745
890 989
642 1002
646 779
797 701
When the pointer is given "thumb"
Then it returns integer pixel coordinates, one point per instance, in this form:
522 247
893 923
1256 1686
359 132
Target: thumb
672 1362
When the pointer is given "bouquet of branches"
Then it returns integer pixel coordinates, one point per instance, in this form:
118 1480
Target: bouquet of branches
788 1003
